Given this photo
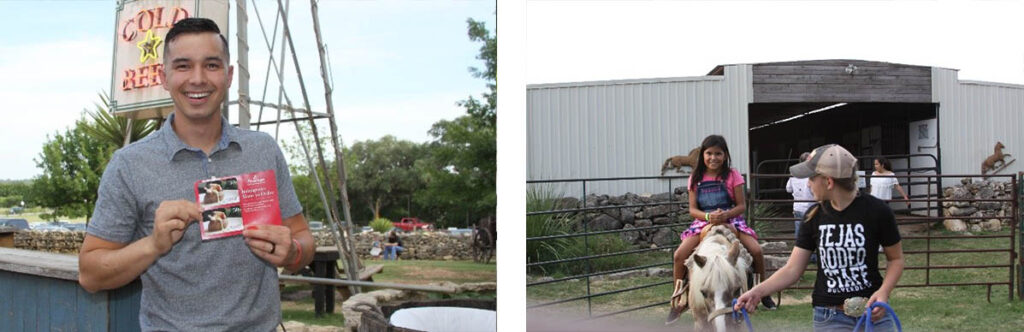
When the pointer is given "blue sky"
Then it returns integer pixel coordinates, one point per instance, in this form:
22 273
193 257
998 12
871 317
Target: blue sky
397 66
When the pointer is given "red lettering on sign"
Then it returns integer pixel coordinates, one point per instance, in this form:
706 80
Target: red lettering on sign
152 18
179 14
128 82
142 77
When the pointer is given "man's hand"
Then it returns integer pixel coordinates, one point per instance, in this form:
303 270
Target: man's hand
169 223
272 243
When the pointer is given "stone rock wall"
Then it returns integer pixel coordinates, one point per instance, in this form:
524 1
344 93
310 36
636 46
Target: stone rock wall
618 217
983 214
64 242
419 245
425 245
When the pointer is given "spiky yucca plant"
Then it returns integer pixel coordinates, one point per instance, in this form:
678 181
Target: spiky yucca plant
109 128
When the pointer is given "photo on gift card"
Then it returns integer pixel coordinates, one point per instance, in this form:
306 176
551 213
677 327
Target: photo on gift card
218 192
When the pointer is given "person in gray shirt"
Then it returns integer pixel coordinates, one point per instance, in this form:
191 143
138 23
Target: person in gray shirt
146 225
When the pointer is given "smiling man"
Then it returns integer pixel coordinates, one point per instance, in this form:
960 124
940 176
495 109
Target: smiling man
145 221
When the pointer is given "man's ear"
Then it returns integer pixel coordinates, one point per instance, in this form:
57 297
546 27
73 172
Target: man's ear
163 77
231 75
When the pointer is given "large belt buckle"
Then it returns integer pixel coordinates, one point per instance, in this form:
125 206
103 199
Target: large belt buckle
855 306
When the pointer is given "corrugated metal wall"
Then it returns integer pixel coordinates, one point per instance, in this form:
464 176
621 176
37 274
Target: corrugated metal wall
629 128
973 116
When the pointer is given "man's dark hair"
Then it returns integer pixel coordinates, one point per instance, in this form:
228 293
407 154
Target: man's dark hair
195 25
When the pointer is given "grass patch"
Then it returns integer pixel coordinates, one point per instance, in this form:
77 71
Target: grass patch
919 308
429 271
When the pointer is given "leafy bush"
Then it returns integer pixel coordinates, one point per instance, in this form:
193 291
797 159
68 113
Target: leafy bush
758 212
381 225
567 247
596 245
543 225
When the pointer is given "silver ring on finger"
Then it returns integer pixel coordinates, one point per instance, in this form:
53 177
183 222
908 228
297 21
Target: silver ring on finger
273 246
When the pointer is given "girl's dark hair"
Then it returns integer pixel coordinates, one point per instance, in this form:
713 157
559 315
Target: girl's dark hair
886 164
698 172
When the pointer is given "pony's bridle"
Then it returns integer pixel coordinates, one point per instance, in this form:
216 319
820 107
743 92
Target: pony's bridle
736 316
719 312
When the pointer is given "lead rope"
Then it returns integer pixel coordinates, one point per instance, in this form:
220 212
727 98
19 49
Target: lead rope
746 317
866 318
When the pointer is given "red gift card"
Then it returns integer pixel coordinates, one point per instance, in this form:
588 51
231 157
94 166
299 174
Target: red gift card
233 202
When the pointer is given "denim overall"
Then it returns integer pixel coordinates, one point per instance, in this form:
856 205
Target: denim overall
713 195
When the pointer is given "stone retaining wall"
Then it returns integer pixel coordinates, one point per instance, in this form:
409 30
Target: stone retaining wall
426 245
985 212
617 217
66 242
419 245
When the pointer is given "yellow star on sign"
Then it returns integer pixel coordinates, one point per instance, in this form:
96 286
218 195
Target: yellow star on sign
148 46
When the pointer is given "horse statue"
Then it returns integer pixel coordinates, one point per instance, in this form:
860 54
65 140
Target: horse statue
718 272
678 162
997 157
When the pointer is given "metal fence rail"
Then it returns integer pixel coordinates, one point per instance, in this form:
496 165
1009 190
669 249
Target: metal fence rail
929 237
586 233
931 199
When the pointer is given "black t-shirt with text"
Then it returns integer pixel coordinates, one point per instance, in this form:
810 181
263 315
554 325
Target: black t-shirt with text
847 246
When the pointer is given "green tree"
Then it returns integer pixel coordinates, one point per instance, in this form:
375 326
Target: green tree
12 193
460 172
73 162
72 165
309 196
382 175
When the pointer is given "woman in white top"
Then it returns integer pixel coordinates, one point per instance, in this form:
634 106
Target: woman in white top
881 184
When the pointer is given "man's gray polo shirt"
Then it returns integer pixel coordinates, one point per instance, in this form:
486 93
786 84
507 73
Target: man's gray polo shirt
199 285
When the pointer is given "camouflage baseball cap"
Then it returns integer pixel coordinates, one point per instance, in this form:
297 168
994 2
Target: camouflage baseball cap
829 160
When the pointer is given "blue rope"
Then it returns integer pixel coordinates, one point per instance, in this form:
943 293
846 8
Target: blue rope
735 316
866 318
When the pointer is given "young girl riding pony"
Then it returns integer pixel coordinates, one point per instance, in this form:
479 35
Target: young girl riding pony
716 197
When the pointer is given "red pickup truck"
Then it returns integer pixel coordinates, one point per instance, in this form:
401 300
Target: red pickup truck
409 224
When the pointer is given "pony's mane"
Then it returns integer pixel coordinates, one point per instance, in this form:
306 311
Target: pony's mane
716 270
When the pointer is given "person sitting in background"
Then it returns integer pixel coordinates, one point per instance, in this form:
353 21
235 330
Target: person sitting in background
393 246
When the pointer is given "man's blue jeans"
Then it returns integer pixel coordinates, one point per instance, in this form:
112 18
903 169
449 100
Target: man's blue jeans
796 223
392 252
832 320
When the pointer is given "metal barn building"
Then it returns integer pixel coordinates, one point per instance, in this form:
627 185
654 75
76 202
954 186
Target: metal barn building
769 111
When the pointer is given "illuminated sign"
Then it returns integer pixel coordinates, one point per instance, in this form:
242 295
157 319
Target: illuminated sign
136 87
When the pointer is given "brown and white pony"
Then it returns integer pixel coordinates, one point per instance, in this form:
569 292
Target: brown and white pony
718 274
